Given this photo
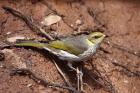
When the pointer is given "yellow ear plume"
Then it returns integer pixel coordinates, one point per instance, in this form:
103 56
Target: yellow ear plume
89 42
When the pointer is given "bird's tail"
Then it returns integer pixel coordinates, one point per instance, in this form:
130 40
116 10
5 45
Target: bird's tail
28 43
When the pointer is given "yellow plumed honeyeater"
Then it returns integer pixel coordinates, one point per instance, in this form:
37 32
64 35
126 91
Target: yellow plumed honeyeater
72 48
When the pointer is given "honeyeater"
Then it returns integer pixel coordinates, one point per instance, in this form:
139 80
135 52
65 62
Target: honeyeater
72 48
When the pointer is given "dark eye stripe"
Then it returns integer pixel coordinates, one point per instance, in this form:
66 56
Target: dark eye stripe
96 37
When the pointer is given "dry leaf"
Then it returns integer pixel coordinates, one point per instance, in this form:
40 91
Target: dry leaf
13 39
51 19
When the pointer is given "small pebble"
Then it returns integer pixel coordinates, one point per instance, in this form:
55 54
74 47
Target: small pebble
29 85
8 33
125 81
72 25
78 22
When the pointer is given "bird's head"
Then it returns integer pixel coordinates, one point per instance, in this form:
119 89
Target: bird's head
96 37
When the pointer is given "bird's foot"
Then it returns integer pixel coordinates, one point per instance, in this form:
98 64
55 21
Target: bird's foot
79 74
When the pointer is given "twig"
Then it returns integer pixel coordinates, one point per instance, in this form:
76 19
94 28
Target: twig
106 84
123 49
4 45
34 27
62 74
45 83
2 56
93 14
124 67
136 73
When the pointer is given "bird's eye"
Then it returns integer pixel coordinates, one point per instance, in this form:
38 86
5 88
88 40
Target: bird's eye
96 37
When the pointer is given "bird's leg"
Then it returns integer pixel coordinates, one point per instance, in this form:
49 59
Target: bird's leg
79 76
71 67
81 79
78 80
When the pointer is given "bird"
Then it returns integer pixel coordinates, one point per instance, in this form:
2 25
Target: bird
74 48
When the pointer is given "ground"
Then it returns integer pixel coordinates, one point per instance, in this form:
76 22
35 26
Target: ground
121 23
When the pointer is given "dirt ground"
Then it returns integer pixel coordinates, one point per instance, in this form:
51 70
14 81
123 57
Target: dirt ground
121 20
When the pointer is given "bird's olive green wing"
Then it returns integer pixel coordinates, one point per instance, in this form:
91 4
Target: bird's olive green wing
64 46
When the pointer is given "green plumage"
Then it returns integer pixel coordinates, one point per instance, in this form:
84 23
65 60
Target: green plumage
75 45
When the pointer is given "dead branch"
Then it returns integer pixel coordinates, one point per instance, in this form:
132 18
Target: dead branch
62 74
94 15
137 73
103 81
2 56
38 80
128 71
34 27
123 48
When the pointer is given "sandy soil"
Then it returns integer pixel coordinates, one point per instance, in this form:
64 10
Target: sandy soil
121 20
